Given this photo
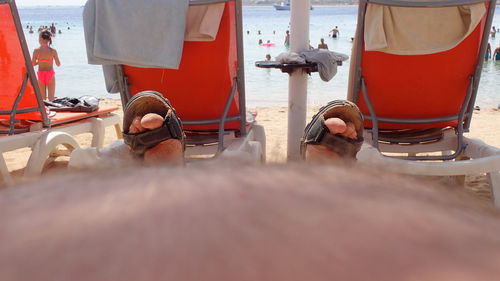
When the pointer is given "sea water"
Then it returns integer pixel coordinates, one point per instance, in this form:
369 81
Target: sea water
264 87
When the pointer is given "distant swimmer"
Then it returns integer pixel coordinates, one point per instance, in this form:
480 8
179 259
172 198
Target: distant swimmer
260 42
268 57
335 32
31 30
258 32
496 54
322 44
274 31
493 32
59 31
248 31
287 39
487 55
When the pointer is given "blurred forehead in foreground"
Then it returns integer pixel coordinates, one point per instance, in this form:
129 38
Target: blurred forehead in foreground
246 223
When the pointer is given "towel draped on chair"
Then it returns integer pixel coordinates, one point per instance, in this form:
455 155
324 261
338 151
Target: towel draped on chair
419 31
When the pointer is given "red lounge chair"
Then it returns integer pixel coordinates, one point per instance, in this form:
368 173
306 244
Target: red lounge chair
416 104
21 102
207 91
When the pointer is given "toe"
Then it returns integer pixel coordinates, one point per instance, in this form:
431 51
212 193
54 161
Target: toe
151 121
335 125
350 131
136 126
339 126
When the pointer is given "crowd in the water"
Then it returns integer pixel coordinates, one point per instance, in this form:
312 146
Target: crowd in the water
334 33
52 28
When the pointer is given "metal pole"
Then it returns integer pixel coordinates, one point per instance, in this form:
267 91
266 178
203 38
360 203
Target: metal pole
297 85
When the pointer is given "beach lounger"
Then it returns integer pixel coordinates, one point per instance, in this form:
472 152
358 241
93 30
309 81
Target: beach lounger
25 122
207 90
415 73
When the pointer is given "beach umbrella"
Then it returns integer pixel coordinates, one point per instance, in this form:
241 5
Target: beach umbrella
297 85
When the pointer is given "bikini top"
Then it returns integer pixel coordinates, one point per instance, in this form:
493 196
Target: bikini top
44 60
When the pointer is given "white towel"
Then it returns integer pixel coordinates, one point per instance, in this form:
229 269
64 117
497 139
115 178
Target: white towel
203 22
130 32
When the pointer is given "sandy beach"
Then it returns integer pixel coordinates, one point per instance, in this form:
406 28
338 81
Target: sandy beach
274 119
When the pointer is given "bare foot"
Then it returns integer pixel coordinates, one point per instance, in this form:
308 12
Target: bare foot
169 152
321 154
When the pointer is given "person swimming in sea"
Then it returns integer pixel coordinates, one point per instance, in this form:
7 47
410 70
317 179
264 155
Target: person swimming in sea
44 57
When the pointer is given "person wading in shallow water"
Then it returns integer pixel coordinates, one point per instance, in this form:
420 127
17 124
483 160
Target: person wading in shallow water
322 44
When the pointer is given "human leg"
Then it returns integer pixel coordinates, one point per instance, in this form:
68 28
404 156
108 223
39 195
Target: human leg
335 133
169 151
152 130
43 89
51 88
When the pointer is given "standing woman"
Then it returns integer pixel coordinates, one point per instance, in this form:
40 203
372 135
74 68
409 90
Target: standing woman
44 57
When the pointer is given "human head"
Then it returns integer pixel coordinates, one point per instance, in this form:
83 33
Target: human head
322 40
45 37
260 41
268 57
287 32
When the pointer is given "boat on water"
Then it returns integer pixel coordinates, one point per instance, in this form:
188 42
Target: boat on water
284 6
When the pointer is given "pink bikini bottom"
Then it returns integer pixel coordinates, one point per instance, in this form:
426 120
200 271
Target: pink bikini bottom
45 76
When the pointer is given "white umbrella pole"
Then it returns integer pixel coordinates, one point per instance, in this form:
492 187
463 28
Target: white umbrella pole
297 85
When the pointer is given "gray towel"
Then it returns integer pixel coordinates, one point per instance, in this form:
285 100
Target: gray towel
326 60
130 32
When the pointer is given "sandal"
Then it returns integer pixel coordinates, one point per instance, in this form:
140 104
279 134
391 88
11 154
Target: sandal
317 133
150 102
